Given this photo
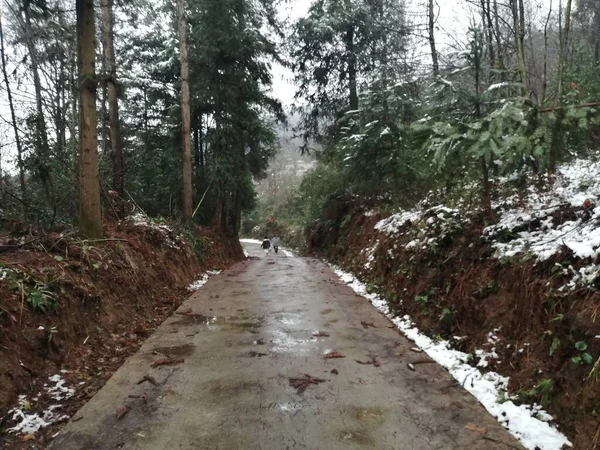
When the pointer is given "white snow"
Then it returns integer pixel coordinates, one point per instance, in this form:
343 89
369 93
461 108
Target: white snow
166 232
29 422
542 232
250 241
288 254
527 423
370 254
393 224
203 280
493 87
59 391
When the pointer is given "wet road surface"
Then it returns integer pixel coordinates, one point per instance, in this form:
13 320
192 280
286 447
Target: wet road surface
242 337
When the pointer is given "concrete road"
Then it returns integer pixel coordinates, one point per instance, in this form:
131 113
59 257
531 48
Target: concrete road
242 337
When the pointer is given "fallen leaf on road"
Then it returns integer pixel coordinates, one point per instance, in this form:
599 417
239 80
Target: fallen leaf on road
335 372
332 355
302 383
255 354
320 334
136 396
475 428
167 362
373 361
149 379
424 361
367 324
122 411
28 437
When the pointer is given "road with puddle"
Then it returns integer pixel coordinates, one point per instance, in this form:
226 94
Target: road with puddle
248 370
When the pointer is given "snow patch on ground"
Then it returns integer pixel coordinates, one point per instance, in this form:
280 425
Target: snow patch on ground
370 255
527 423
250 241
28 422
203 280
59 390
167 233
534 226
424 227
394 223
288 254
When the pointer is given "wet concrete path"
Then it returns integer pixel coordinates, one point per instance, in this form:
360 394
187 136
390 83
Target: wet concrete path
242 337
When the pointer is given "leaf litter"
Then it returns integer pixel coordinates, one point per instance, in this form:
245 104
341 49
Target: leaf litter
302 383
167 362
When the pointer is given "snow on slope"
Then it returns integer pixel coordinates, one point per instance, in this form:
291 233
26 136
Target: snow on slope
532 223
528 423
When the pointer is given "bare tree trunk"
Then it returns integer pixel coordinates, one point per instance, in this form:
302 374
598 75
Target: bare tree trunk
41 140
237 219
185 113
487 188
434 53
545 71
352 69
564 42
518 13
116 145
74 115
498 35
90 213
596 31
13 115
489 31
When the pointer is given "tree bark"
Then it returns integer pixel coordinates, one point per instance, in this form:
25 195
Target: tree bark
564 42
518 13
352 69
13 116
237 219
90 213
41 138
498 36
596 31
545 70
185 113
489 30
114 126
432 46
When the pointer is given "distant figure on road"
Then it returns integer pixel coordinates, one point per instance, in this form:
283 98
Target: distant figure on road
276 243
266 245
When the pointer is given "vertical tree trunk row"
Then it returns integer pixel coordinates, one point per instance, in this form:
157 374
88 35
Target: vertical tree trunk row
352 68
116 145
185 113
432 46
13 116
41 138
90 213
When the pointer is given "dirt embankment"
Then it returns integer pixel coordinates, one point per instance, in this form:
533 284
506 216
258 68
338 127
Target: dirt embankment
544 336
79 308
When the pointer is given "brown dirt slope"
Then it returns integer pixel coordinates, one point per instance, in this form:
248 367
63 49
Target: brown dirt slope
81 307
459 289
